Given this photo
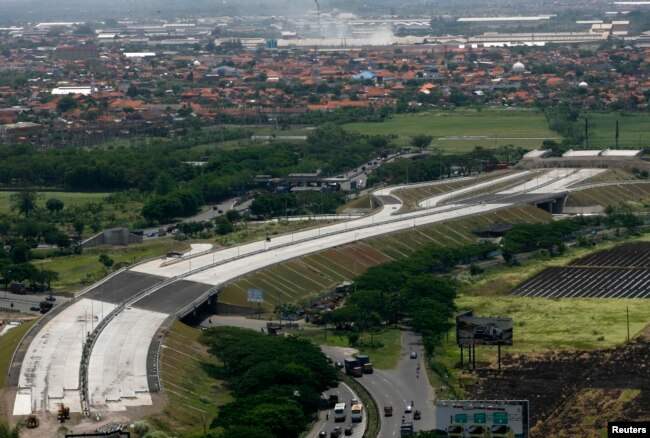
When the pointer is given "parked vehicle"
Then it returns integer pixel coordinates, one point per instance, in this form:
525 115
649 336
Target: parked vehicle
413 355
333 400
17 288
417 415
51 298
367 368
46 305
388 411
408 409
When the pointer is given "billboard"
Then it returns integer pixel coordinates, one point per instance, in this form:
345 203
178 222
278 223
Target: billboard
476 330
494 418
255 296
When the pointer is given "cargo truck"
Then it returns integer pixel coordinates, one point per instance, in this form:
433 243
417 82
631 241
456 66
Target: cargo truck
352 368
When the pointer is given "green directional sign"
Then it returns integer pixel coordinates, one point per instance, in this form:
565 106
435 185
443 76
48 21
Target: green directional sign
500 418
460 418
480 418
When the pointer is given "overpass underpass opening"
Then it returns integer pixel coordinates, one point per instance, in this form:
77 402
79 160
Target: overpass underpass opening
554 205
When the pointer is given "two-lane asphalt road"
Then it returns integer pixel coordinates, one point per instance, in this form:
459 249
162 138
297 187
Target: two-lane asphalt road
399 387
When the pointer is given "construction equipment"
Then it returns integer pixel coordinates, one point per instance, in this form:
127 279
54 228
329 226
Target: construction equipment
32 421
63 414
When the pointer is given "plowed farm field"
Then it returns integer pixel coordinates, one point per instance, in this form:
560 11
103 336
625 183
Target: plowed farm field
619 272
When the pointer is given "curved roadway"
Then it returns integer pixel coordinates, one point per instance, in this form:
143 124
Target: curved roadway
120 373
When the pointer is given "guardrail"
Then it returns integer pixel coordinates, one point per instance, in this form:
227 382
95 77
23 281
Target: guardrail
92 338
184 311
604 184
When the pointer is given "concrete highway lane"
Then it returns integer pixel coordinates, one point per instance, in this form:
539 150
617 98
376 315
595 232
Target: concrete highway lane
59 367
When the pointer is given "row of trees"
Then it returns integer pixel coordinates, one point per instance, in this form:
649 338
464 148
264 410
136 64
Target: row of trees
551 237
301 203
278 380
435 166
14 267
409 288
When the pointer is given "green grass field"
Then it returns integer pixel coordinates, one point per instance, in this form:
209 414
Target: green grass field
462 130
542 324
193 392
8 344
69 198
77 271
633 130
387 343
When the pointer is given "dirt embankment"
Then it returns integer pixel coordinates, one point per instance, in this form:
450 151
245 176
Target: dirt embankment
574 394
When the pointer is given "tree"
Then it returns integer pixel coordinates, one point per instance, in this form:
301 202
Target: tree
132 91
246 431
20 252
421 141
78 224
24 201
48 276
164 184
54 205
223 225
105 260
84 29
66 103
233 215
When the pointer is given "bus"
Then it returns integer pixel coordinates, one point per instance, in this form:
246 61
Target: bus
356 413
339 412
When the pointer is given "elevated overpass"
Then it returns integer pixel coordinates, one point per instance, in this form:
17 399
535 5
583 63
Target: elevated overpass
101 352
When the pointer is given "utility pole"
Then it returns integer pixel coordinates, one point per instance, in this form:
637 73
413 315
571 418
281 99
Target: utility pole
587 132
616 136
627 315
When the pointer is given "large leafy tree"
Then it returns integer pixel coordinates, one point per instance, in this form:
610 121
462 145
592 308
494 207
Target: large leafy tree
278 379
24 201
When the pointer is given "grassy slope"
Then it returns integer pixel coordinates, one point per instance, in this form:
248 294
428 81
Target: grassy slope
193 393
8 344
486 128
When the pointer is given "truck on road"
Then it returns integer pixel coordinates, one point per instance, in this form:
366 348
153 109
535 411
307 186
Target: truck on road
356 413
353 368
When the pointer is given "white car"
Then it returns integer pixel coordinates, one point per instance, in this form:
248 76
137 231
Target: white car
414 355
408 409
